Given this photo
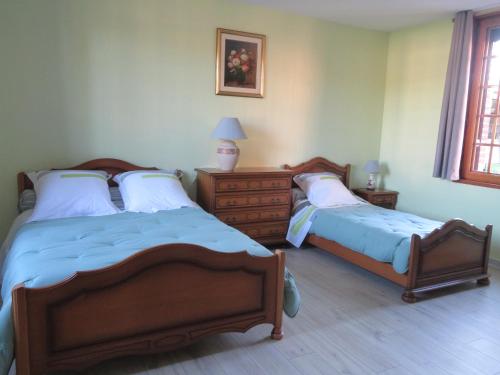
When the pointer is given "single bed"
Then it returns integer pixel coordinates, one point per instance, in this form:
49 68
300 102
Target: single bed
193 279
435 255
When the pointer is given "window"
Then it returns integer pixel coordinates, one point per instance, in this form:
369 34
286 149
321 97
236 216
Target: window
481 156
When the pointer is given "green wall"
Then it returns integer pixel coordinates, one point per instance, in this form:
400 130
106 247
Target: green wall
416 69
135 80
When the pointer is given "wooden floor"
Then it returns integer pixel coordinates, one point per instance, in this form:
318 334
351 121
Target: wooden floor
351 322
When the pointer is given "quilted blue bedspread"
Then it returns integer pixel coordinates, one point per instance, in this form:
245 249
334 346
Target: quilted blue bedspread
382 234
46 252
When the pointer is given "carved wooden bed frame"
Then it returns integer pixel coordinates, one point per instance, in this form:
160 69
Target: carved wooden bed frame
455 253
156 300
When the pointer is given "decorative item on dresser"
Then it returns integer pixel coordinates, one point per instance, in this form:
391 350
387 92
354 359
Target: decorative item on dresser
255 201
379 197
228 130
372 167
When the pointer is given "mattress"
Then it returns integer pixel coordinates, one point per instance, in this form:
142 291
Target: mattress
380 233
46 252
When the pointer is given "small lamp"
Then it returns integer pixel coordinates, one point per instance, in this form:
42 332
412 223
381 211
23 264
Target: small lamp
372 168
228 130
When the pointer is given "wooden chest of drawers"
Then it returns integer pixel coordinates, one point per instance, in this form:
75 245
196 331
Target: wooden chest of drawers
256 201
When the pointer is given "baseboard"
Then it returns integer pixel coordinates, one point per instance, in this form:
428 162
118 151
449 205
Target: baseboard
495 263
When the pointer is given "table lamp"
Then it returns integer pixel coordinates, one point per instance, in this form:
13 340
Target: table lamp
228 130
372 168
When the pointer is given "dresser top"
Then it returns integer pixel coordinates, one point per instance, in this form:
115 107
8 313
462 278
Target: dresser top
243 171
375 192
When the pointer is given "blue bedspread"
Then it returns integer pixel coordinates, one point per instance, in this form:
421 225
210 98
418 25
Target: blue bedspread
382 234
47 252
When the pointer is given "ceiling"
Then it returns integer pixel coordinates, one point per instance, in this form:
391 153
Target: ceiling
387 15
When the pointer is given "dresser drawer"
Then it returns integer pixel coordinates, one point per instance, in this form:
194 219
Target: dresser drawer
235 217
249 200
264 229
223 185
380 199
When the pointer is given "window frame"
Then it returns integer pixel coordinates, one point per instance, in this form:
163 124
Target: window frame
481 32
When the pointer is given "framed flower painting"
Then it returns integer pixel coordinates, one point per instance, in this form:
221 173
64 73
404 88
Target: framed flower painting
240 63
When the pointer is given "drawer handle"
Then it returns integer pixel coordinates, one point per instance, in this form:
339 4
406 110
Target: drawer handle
232 186
231 203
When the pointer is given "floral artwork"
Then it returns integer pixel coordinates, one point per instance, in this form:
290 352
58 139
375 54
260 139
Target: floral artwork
240 67
239 63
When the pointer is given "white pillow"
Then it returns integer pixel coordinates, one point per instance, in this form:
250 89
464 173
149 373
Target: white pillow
152 191
71 193
301 179
325 190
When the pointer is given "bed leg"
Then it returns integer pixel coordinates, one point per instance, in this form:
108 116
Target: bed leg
409 297
277 333
485 281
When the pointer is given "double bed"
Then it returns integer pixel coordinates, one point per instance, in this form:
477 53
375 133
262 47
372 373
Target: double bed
416 253
77 291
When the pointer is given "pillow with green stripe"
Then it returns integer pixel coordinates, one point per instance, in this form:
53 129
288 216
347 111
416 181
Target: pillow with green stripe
71 193
152 191
325 189
301 179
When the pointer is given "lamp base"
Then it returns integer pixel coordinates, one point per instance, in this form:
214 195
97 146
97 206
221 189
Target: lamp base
372 181
227 155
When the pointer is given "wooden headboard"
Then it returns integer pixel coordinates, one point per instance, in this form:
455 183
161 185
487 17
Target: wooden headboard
320 164
112 166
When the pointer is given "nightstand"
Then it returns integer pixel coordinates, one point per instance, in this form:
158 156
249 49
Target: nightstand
379 197
256 201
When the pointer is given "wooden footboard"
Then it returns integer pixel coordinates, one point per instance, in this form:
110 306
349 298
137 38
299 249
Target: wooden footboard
157 300
454 253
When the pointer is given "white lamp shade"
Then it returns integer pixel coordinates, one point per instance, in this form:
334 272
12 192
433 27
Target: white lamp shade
372 166
229 128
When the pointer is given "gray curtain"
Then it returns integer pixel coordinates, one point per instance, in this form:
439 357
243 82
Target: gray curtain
453 112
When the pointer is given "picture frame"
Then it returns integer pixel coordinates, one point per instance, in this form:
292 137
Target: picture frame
240 63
